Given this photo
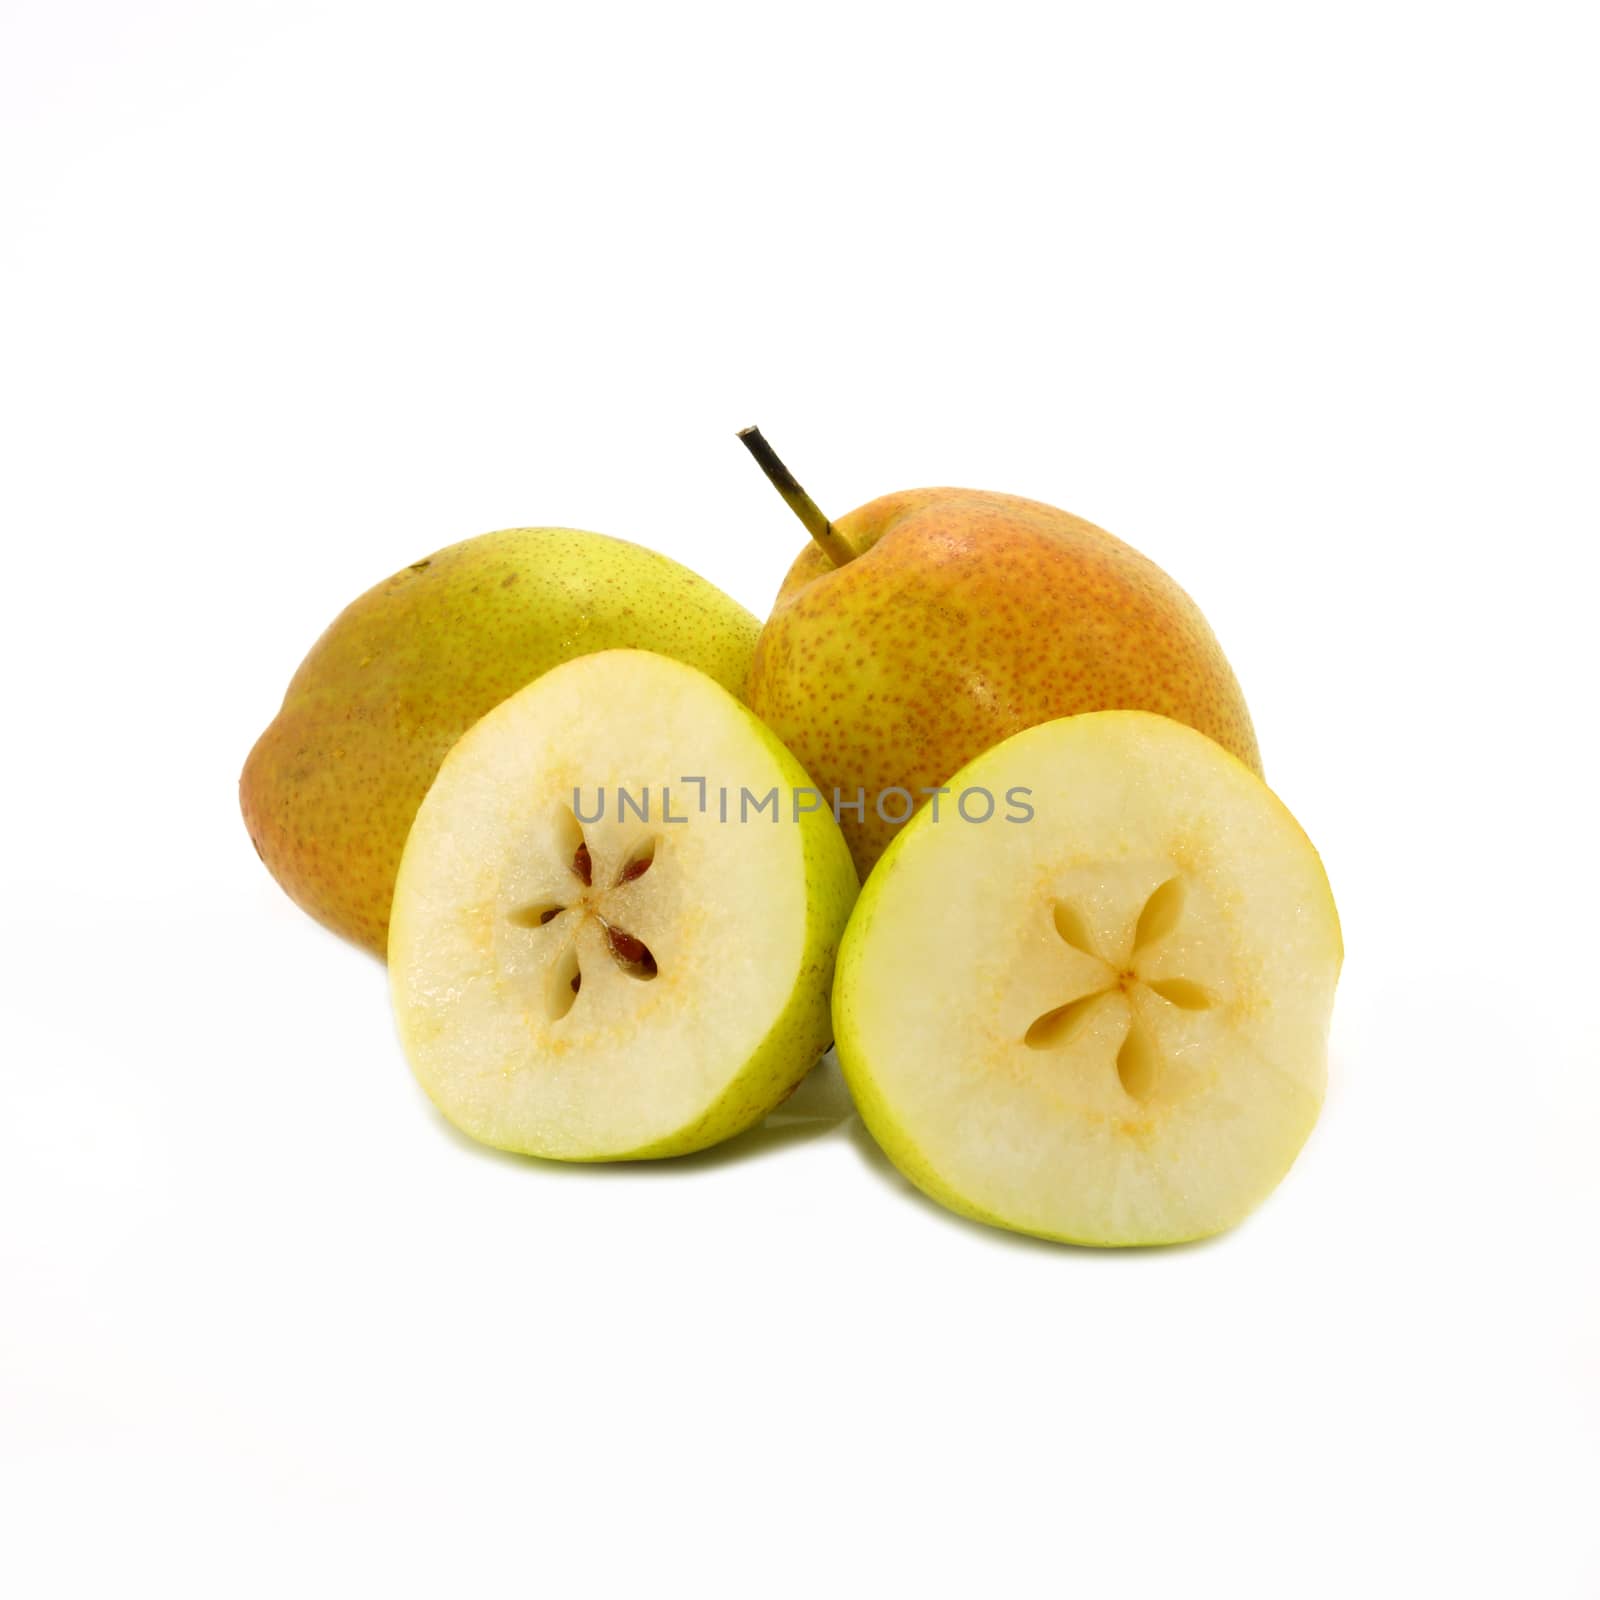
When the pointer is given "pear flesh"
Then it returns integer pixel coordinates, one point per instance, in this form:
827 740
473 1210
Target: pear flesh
965 617
1106 1024
575 980
330 789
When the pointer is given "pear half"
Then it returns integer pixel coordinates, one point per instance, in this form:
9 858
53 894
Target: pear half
585 977
1106 1023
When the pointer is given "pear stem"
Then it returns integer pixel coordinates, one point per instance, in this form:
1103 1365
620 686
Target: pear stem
832 543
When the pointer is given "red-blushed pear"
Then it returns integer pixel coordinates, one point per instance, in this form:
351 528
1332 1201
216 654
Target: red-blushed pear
331 787
927 626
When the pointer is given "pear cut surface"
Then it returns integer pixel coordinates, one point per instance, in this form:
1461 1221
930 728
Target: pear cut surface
1107 1024
584 977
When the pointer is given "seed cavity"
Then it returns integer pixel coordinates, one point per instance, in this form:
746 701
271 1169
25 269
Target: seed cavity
538 914
1072 928
631 954
1160 914
1140 1068
565 982
1138 1065
566 832
638 863
1182 993
1056 1027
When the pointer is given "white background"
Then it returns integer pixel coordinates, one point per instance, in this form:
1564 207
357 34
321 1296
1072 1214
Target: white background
1300 301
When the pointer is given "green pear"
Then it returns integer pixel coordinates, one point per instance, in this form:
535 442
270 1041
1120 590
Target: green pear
330 789
601 950
1100 1014
927 626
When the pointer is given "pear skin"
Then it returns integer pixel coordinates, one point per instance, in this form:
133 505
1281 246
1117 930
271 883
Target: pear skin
331 788
964 618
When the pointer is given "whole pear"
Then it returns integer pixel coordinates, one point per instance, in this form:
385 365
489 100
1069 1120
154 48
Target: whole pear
922 629
331 788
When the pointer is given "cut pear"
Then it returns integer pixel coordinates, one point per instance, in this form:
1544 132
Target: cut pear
1106 1024
646 983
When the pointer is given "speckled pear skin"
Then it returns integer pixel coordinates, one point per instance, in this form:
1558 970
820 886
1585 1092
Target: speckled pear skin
966 617
331 788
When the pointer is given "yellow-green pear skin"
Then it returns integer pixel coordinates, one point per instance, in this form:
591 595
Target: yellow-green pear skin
966 617
331 788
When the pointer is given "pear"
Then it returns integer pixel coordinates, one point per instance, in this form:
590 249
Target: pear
330 789
616 919
927 626
1099 1014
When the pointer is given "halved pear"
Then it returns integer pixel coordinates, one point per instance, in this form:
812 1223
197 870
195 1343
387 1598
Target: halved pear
1106 1023
631 985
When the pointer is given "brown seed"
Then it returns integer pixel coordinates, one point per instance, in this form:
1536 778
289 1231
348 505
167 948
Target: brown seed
631 952
577 981
582 865
636 869
550 915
